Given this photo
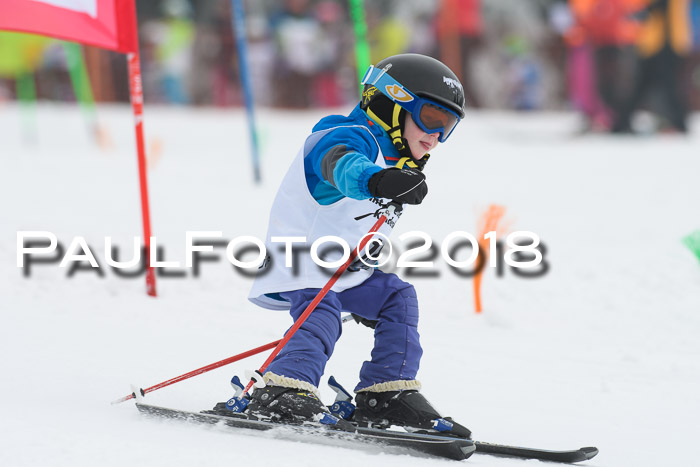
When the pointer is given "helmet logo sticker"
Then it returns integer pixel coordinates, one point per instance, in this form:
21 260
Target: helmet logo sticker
453 83
397 93
368 93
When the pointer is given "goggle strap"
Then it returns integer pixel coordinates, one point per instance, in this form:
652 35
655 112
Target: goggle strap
368 73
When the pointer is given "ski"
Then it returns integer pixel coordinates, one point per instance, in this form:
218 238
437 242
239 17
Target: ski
575 455
409 442
398 442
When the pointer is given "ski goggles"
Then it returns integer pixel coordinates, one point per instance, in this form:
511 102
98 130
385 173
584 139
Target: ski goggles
430 116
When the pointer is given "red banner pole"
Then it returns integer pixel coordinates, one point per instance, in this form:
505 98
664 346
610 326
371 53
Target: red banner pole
136 89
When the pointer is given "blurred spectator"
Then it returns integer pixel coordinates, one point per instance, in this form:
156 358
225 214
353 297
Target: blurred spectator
301 53
459 29
524 90
600 31
175 49
167 52
419 19
386 33
21 54
693 61
664 41
606 25
335 45
261 56
214 67
508 54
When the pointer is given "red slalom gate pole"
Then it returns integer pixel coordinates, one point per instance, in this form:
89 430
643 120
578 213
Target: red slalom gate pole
391 208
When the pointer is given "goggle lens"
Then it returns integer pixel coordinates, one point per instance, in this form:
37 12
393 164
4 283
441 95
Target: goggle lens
433 117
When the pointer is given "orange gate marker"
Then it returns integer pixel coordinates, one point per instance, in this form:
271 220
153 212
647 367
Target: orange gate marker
488 222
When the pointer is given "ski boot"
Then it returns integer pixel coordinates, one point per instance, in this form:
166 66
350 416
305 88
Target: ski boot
285 405
292 405
281 404
406 408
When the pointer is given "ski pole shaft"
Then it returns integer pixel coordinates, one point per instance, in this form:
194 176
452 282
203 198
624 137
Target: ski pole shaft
322 293
199 371
212 366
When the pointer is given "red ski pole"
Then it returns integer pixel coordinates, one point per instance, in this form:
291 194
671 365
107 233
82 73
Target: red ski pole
199 371
204 369
255 378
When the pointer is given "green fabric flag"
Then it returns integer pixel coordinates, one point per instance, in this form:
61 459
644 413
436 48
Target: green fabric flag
692 241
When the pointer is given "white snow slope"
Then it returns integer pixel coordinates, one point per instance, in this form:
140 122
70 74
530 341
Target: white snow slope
602 350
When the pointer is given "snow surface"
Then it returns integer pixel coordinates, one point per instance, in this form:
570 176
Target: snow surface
603 350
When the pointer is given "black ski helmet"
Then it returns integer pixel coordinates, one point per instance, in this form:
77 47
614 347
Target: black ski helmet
425 77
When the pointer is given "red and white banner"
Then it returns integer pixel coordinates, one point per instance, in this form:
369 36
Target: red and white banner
109 24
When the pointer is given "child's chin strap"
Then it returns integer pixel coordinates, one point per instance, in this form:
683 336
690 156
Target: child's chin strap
411 163
406 162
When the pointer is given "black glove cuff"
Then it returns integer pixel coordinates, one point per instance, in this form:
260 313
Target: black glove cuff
374 181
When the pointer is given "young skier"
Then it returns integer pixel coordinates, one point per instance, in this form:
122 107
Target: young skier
348 167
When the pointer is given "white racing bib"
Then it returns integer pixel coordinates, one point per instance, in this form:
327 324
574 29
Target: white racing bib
295 213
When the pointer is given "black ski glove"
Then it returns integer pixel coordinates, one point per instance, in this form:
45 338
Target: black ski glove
404 186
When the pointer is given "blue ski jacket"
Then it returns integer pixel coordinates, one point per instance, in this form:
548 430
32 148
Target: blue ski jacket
342 162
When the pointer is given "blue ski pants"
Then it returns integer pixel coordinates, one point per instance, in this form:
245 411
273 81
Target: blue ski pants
383 298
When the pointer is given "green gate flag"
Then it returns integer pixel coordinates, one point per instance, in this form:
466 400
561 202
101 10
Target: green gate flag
362 55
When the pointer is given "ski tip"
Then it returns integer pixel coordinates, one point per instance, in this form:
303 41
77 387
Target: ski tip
589 452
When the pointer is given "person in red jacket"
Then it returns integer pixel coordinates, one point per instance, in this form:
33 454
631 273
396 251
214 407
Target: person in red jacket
602 28
459 28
